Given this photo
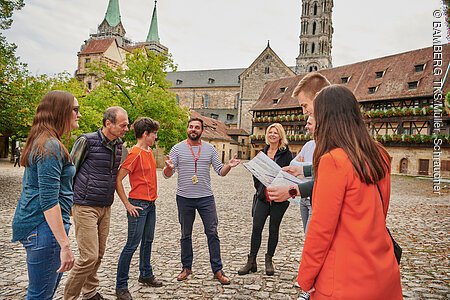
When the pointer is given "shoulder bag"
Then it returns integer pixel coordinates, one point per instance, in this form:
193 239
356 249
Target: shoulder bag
397 249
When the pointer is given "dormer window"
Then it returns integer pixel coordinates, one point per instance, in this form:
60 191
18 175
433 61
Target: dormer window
178 82
372 89
211 80
275 101
345 79
419 68
379 74
282 90
413 85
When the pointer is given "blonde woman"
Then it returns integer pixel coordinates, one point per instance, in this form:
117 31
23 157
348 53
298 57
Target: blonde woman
277 149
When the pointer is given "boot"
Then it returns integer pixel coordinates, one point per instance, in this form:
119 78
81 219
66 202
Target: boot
250 266
269 265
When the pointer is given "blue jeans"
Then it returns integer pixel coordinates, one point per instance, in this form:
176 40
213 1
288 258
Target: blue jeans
206 207
141 230
305 212
43 259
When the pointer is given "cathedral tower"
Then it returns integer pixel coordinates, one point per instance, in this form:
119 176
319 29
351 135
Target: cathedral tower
111 25
316 32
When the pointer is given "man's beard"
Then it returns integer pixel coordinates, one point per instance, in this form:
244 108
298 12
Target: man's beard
198 136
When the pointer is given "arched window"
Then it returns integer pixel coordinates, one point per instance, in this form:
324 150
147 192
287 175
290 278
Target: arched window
315 8
404 166
313 48
205 100
314 28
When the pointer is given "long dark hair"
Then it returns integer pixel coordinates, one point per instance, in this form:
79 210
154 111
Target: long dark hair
52 120
339 124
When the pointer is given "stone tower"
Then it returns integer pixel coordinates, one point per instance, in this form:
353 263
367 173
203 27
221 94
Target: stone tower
111 26
316 32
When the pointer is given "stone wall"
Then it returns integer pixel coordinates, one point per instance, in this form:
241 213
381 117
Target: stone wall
412 156
266 67
245 115
219 97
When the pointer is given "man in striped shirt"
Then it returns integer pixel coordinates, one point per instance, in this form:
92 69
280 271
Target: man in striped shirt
192 159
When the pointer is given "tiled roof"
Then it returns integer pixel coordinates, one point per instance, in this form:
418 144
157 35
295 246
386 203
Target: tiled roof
398 70
212 129
205 78
97 46
237 131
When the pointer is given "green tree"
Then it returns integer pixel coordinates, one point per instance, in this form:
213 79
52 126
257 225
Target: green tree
12 73
141 87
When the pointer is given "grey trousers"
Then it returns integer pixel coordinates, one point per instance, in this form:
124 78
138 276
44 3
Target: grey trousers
305 212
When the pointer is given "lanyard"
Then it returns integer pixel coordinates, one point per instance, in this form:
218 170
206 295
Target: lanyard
196 157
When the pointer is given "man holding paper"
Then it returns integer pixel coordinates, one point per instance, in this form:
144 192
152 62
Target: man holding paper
305 93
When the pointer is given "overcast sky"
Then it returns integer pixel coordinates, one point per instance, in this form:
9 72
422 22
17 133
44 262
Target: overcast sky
217 34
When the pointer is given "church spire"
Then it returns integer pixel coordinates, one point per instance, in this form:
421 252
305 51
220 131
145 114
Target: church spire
111 25
153 35
112 15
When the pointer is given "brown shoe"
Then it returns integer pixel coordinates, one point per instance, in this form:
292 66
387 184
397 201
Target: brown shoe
123 294
150 281
223 279
184 274
97 296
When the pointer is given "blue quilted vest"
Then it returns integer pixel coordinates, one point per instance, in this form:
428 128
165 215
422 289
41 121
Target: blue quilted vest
95 181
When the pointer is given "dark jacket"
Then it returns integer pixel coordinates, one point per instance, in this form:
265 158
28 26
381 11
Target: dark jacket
282 158
95 181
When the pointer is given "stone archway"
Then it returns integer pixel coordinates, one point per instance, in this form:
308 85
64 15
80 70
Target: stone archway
404 166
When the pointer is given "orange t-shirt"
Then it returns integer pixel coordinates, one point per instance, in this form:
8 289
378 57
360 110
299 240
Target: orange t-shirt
141 166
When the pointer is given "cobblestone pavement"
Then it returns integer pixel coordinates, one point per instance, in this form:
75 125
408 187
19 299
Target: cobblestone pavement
418 220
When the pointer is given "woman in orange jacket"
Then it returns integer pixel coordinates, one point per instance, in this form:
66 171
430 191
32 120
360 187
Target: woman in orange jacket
348 253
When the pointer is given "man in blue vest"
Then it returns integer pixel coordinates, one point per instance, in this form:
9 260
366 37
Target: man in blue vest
96 156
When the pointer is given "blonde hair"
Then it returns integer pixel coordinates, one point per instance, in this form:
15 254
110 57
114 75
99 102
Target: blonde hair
283 140
311 84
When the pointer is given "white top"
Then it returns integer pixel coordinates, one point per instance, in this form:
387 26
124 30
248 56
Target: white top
184 164
307 152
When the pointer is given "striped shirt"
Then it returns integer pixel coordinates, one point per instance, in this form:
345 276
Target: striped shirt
184 164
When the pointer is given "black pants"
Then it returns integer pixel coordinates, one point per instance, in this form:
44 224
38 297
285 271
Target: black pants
276 212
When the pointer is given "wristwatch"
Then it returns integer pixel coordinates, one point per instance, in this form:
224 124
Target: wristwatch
292 191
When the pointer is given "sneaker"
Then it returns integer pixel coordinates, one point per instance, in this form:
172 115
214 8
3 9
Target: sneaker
150 281
123 294
304 296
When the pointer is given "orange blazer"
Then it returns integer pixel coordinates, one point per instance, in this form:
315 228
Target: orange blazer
348 253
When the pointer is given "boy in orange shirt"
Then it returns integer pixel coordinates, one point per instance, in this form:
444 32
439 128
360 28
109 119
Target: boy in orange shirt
140 166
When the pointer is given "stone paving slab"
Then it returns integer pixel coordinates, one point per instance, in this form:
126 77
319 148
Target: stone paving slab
418 220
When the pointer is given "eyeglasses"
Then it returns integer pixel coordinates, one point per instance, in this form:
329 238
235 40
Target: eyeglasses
76 110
